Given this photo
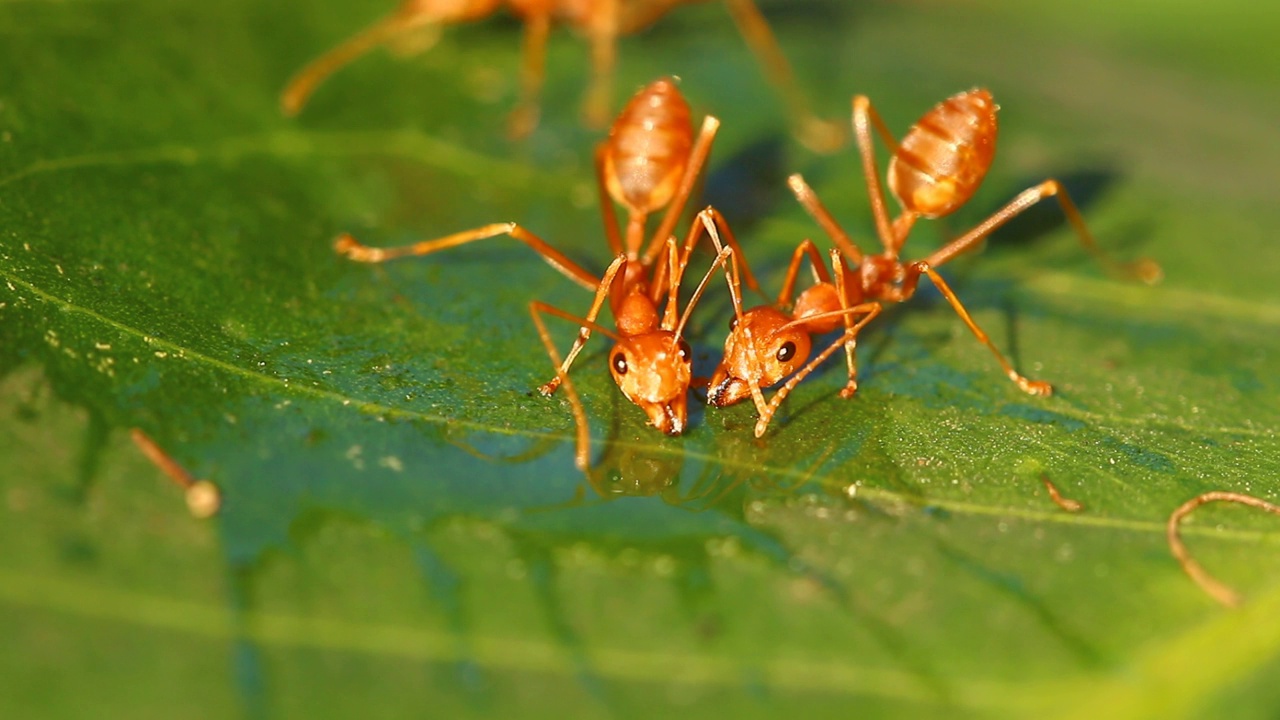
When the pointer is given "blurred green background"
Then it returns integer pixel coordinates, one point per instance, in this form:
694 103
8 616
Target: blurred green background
403 530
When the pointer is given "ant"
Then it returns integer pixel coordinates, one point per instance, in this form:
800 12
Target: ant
601 21
649 161
767 343
934 171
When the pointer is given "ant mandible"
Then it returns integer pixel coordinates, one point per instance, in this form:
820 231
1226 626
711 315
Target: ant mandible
934 171
650 161
767 343
601 21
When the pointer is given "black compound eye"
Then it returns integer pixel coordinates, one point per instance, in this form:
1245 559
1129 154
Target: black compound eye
787 351
733 323
686 352
620 364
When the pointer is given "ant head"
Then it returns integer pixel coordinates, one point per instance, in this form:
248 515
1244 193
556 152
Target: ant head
762 348
654 370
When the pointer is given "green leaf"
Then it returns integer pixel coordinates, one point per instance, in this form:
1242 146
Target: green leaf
402 526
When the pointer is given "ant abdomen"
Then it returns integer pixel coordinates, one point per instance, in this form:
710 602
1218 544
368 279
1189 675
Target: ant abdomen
647 148
944 157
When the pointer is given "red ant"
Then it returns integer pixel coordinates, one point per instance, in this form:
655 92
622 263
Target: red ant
933 172
649 161
767 343
602 21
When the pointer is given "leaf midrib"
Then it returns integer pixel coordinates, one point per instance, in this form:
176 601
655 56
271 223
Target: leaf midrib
282 387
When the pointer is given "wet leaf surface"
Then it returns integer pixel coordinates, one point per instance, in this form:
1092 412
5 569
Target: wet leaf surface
403 530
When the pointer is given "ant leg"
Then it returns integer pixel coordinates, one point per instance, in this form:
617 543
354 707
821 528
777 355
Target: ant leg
725 255
871 309
850 348
351 248
877 124
1217 590
763 408
711 220
914 270
864 117
202 496
582 454
734 281
607 213
806 247
692 169
616 270
299 90
604 56
717 228
1144 269
537 26
676 274
672 277
706 219
818 135
809 200
1056 496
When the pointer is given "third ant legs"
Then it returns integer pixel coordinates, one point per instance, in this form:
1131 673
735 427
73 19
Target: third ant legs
916 269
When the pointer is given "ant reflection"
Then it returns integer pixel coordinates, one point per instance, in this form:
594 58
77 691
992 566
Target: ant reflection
628 466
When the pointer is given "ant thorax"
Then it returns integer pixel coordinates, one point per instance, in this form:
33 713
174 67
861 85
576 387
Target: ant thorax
878 278
636 313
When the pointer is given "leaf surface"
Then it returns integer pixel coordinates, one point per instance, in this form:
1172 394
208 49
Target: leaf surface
402 525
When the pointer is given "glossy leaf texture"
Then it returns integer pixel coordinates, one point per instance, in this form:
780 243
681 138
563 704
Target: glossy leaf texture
403 531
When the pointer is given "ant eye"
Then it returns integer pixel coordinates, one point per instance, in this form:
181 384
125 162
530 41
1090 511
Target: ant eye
620 364
686 352
733 323
787 351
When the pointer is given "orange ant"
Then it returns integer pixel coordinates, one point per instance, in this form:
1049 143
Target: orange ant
649 161
934 171
602 21
766 343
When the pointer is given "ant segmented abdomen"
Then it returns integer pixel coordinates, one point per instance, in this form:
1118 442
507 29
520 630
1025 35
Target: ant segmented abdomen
944 157
648 147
